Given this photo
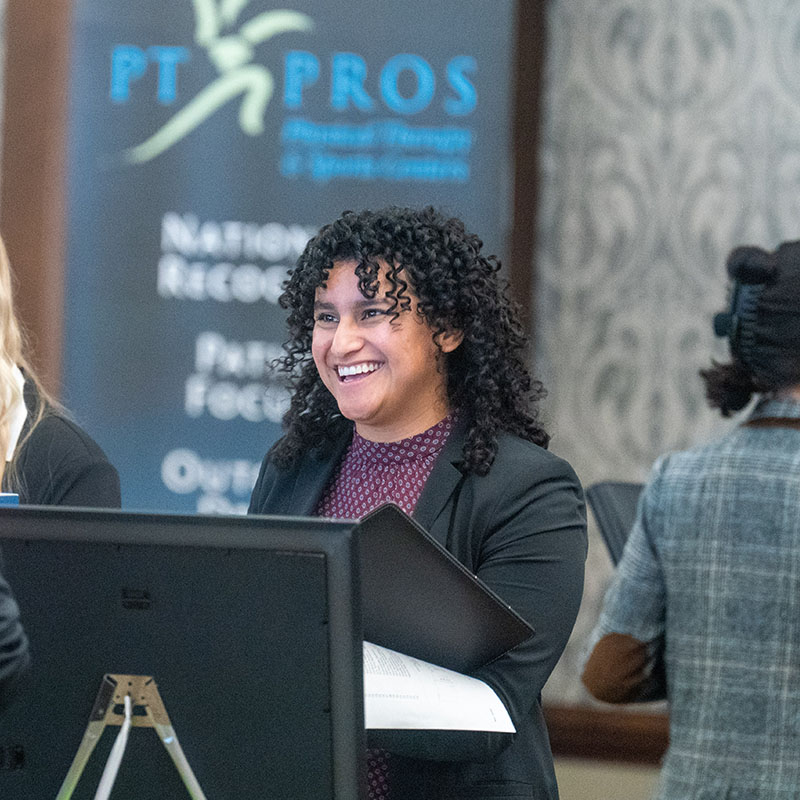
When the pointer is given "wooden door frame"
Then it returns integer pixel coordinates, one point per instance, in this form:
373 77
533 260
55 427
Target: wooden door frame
33 171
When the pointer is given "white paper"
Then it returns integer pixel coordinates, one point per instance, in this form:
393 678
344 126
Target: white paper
401 692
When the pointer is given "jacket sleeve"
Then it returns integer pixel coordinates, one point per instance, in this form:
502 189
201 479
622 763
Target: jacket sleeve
532 554
626 647
90 485
13 643
61 465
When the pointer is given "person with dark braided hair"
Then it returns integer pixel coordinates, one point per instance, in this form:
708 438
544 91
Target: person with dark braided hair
704 609
406 361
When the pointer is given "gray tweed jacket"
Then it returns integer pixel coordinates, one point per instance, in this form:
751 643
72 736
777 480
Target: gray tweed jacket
710 579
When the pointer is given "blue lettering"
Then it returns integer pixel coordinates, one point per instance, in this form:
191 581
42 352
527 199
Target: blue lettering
407 82
168 59
128 63
426 83
301 69
347 82
467 95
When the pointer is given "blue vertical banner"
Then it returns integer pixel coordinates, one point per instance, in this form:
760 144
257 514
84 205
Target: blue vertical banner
208 140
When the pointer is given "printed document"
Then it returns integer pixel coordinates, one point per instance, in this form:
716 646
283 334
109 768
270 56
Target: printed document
401 692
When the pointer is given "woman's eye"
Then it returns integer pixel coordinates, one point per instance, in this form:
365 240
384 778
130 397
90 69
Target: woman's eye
325 317
371 313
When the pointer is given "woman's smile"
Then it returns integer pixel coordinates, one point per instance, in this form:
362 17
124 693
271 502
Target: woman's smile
354 371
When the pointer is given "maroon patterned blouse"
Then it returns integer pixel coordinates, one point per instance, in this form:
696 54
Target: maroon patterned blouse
374 473
371 474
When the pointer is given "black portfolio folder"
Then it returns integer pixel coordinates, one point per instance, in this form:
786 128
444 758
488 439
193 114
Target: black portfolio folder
614 506
418 599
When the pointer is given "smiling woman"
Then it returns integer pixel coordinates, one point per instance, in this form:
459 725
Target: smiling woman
406 363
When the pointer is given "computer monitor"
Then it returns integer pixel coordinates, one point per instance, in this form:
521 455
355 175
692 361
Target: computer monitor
249 626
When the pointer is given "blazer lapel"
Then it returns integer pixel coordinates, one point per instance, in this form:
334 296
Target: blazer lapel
441 484
313 477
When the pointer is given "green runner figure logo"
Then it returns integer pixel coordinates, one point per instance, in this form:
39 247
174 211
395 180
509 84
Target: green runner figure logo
232 55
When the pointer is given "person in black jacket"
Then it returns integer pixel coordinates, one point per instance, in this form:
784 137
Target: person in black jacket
409 386
48 459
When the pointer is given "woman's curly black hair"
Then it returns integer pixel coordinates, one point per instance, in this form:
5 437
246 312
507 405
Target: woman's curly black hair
457 289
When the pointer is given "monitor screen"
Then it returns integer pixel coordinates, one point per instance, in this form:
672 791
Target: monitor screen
248 626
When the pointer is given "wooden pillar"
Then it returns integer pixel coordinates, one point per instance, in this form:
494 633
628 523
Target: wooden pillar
531 24
32 171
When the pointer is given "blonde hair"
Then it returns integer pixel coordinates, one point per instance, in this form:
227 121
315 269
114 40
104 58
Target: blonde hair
12 345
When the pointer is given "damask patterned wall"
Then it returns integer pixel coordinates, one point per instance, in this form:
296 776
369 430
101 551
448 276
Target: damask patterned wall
671 134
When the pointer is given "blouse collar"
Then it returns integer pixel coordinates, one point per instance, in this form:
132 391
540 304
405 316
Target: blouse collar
424 445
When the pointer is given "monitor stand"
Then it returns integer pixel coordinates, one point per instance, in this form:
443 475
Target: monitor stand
143 708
